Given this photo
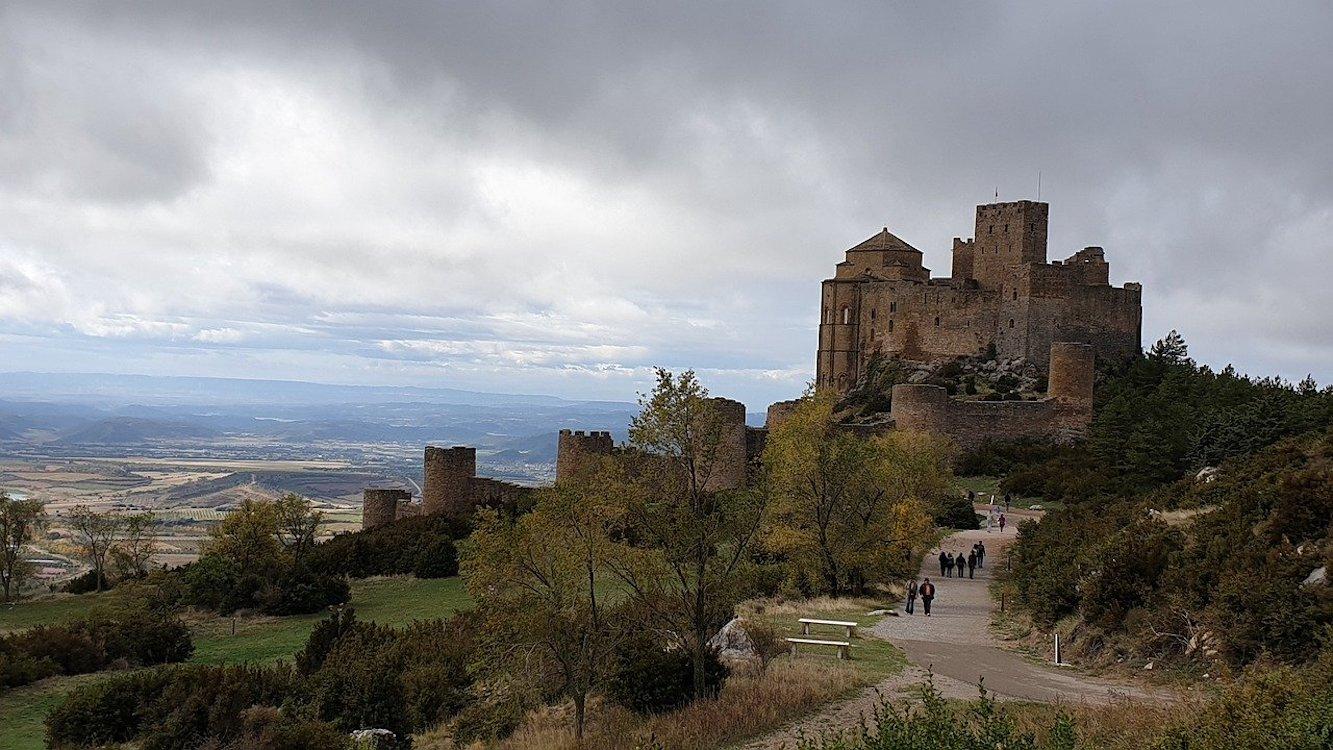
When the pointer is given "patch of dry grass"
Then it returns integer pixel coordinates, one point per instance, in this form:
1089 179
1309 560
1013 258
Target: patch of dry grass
747 707
1123 725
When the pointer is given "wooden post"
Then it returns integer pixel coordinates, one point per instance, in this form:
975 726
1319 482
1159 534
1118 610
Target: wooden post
1057 649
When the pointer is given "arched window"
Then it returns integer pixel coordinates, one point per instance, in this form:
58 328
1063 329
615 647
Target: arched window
1015 294
872 314
937 321
828 315
893 307
890 326
1011 322
846 315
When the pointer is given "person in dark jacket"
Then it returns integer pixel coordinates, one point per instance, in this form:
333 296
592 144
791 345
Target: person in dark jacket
981 554
927 592
972 564
948 566
911 597
943 562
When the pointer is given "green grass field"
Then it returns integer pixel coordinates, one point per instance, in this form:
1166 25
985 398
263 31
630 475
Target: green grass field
390 601
991 485
872 658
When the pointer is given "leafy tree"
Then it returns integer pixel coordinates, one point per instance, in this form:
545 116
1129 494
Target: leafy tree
1171 350
248 537
96 534
537 580
684 543
297 524
136 546
19 522
848 507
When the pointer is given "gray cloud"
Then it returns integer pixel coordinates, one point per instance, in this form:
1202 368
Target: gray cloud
519 193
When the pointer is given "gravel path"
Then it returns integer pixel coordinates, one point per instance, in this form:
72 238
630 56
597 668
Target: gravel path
956 644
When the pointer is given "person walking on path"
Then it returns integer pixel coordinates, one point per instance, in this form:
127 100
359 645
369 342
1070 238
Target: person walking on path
943 562
981 554
972 564
1007 499
927 592
948 565
911 597
1001 523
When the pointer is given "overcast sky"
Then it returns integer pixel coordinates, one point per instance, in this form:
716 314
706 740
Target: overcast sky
554 197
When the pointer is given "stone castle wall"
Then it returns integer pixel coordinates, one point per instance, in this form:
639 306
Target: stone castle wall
575 450
448 477
381 506
730 465
1003 294
1064 415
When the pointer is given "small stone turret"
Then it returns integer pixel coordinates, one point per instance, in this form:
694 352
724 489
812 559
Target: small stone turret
728 471
379 506
449 473
576 448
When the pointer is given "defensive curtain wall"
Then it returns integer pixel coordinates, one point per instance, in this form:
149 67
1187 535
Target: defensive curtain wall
1062 416
453 488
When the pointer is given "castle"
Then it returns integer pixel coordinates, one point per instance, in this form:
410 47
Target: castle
452 487
1003 296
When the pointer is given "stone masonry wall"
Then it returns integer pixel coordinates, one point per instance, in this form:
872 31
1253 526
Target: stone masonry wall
1063 415
575 449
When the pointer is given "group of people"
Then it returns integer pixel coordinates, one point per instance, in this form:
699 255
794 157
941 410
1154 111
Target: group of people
950 565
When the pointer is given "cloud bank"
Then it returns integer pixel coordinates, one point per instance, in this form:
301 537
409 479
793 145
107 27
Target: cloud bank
526 197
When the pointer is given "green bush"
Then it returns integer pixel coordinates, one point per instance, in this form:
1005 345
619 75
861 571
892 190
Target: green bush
88 582
301 591
956 512
351 675
393 549
935 724
651 678
995 458
136 639
439 559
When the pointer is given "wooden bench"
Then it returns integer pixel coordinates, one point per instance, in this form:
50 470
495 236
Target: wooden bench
806 622
844 648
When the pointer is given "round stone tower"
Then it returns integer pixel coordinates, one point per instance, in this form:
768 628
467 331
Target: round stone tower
379 507
1070 384
449 473
729 465
920 408
575 448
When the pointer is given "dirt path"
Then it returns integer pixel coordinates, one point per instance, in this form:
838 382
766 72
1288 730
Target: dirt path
957 645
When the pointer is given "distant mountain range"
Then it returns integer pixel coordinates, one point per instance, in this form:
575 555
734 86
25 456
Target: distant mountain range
151 390
110 415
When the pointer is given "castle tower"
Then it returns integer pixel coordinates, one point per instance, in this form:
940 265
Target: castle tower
448 487
838 361
1008 235
1070 383
728 471
575 449
379 507
918 407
